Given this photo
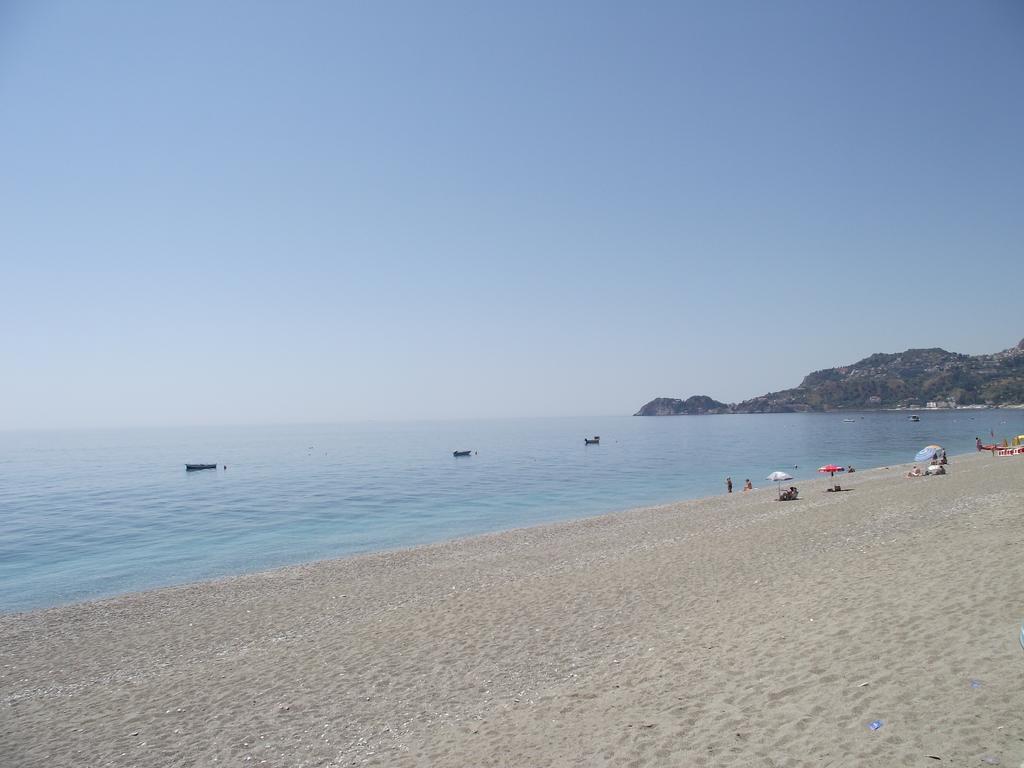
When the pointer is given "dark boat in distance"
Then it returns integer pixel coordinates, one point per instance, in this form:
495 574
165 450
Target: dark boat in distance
194 467
461 453
914 418
595 440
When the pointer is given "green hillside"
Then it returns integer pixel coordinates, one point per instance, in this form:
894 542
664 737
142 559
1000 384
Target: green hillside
907 379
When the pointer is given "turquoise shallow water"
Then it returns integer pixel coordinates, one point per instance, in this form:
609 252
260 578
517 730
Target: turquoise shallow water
86 514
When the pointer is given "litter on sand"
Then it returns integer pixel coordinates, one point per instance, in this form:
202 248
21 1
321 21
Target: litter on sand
874 725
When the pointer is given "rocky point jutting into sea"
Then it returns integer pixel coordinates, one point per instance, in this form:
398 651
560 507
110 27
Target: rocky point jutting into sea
911 379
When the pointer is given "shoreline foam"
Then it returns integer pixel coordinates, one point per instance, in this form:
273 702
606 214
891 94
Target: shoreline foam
734 630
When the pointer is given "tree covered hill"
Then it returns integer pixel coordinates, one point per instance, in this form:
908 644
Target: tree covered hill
907 379
691 406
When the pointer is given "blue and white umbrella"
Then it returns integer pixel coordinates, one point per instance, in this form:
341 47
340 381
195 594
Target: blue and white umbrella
928 452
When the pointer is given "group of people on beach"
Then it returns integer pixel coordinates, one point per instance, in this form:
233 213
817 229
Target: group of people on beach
937 466
933 469
792 492
747 485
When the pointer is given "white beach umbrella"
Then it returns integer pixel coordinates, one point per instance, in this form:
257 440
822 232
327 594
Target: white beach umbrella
778 477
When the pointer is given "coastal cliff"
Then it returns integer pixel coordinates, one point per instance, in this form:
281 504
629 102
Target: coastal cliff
911 379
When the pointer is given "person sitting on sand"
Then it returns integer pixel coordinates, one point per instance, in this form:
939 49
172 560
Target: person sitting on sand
915 472
850 469
748 486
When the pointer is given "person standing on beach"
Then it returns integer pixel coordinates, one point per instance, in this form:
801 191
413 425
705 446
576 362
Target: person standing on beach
728 485
748 486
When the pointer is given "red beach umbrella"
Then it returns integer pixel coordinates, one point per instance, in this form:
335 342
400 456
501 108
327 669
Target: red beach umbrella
831 469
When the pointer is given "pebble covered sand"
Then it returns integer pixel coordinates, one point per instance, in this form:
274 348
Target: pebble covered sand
733 631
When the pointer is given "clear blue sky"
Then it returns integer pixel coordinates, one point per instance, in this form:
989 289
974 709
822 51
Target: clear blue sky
264 212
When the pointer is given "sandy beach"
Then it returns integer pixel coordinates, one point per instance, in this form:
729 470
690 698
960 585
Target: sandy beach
732 631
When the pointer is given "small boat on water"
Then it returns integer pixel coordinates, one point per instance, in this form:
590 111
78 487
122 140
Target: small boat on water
595 440
914 417
848 421
194 467
461 453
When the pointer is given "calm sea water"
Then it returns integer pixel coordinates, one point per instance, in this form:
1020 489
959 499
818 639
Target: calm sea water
86 514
